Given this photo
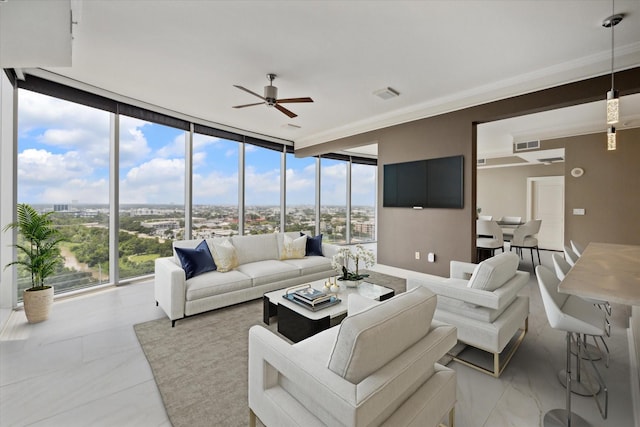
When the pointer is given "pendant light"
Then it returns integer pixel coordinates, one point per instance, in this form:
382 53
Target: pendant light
613 104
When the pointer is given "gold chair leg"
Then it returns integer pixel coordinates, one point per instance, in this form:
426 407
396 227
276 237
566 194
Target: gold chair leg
252 418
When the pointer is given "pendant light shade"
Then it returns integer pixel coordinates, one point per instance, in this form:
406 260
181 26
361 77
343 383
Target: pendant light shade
611 138
613 102
613 105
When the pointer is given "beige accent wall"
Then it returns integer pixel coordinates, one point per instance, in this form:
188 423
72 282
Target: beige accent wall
503 191
450 233
609 190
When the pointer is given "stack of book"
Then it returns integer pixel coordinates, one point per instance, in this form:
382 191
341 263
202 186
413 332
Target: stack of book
311 298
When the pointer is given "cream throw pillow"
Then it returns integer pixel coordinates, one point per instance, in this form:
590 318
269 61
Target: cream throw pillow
293 248
224 255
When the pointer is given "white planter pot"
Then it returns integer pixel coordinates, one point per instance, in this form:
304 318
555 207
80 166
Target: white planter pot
37 304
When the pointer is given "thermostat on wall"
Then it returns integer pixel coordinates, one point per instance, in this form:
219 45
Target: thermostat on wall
577 172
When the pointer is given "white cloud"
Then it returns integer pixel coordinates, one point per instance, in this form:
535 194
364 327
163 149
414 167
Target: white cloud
156 181
215 188
41 166
176 148
262 188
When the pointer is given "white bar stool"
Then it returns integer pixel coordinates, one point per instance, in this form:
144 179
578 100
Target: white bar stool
574 316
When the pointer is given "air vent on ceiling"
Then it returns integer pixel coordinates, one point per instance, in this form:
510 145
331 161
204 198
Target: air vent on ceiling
549 160
386 93
482 161
529 145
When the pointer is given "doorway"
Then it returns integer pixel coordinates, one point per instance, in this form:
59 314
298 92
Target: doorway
545 201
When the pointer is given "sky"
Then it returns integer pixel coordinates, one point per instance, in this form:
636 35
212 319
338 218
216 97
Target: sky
63 157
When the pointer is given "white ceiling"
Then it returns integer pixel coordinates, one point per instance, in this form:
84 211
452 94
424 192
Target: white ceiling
185 56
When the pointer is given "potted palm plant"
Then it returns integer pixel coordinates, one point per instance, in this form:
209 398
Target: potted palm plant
39 255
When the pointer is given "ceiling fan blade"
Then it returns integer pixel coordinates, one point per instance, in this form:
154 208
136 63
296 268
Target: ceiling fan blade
287 112
248 105
279 101
249 91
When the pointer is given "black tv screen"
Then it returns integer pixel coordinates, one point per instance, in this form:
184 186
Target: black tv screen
431 183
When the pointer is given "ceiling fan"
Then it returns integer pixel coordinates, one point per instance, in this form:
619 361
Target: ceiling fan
270 98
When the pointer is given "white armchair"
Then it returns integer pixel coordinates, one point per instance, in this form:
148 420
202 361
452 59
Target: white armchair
482 301
378 367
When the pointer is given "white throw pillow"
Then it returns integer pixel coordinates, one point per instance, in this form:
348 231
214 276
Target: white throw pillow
293 248
224 255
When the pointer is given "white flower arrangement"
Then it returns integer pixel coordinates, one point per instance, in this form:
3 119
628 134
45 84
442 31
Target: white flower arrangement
341 262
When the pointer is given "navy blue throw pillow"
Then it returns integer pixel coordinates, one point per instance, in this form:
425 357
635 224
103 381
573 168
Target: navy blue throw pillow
196 261
314 245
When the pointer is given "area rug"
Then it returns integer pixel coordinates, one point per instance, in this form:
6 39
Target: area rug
200 366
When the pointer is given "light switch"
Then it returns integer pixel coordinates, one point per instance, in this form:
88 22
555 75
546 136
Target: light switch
578 211
417 255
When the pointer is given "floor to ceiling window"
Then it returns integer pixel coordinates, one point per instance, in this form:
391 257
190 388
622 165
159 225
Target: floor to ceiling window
215 187
333 200
261 190
301 194
363 202
63 166
152 172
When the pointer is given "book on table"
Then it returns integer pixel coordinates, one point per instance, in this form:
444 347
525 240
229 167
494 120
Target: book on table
311 298
309 294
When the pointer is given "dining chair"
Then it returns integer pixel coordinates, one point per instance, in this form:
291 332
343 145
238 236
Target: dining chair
485 217
511 219
489 236
574 316
523 237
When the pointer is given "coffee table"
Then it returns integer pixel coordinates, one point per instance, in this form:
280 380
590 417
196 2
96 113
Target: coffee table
297 323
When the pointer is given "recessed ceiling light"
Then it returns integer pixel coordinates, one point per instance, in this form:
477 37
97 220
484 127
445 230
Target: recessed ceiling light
386 93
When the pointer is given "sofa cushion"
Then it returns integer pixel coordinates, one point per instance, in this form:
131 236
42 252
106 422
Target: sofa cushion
269 271
293 248
494 272
370 339
311 264
215 283
314 245
196 261
224 255
254 248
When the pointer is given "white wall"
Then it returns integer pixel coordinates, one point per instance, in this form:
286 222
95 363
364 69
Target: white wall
503 191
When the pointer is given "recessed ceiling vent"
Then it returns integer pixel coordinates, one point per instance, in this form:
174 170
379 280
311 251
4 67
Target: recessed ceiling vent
386 93
549 160
529 145
482 162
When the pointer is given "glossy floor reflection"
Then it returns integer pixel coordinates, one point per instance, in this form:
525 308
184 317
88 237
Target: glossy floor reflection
84 367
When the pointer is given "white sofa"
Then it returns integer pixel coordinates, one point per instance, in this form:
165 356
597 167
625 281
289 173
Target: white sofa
377 368
482 301
260 270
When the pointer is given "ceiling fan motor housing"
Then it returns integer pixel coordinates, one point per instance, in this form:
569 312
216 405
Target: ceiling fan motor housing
270 95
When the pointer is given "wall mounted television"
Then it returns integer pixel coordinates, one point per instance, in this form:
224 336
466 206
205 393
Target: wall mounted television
430 183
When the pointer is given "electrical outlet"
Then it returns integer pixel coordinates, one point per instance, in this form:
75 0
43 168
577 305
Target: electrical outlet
417 255
578 211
